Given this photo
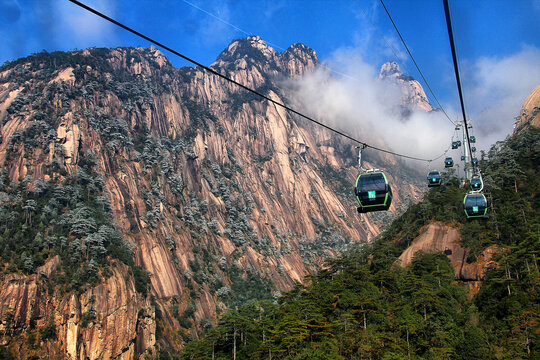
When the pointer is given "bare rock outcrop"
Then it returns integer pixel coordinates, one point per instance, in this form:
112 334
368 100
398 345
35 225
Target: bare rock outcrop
204 181
68 134
530 112
439 237
412 93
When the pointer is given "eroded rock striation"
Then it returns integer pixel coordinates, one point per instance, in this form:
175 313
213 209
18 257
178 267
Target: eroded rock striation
530 112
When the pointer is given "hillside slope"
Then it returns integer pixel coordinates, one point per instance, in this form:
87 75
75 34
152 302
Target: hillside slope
364 305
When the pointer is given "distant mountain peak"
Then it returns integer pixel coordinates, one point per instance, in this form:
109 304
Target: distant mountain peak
254 51
413 95
252 46
390 69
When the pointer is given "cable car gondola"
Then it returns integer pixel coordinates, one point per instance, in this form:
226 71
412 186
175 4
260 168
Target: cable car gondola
455 145
475 205
474 161
472 139
434 178
462 157
448 162
372 190
458 143
476 184
473 149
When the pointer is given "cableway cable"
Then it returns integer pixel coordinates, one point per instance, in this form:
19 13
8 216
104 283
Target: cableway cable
227 23
415 64
212 71
456 70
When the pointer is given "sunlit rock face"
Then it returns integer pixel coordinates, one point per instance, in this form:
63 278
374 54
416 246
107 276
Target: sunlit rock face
218 191
438 237
530 112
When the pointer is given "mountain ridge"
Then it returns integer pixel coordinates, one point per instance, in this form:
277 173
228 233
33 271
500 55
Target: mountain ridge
434 285
191 171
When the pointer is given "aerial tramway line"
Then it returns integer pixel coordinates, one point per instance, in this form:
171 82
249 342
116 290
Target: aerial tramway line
372 189
474 203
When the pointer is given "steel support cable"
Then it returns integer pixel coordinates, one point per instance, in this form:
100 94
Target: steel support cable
275 46
415 64
227 23
456 70
444 153
212 71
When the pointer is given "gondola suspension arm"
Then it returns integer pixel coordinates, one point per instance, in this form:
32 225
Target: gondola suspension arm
360 149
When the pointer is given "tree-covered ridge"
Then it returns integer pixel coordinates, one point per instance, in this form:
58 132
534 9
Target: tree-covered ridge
348 311
363 307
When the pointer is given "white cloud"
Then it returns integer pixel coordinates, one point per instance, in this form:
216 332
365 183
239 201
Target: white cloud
365 107
373 42
82 28
495 89
368 109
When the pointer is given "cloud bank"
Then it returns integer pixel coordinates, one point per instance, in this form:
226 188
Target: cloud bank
495 90
365 107
369 109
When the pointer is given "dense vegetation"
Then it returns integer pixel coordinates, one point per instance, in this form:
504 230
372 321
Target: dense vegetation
68 213
363 307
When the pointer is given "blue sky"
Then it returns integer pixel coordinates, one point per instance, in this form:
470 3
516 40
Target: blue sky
497 41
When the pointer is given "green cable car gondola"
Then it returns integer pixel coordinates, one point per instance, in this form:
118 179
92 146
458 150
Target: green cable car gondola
373 192
472 139
476 184
434 178
455 145
475 205
448 162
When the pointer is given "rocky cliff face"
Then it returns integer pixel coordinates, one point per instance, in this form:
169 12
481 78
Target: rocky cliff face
530 112
109 321
413 96
220 195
